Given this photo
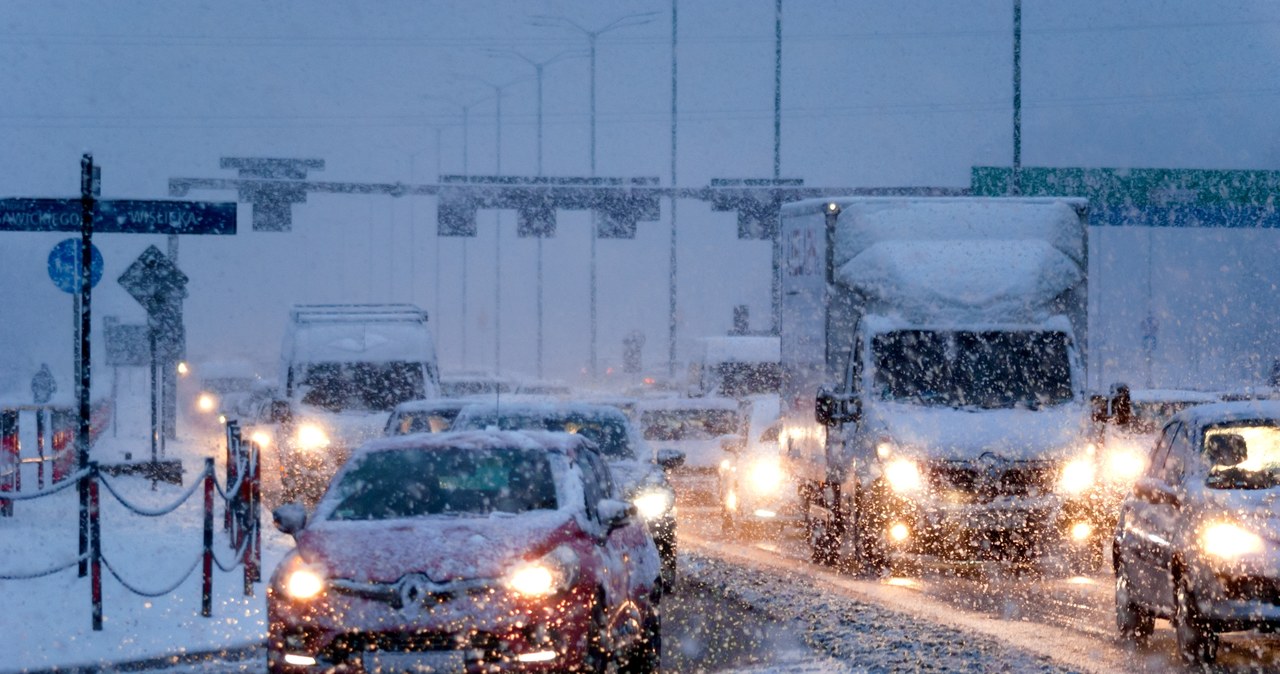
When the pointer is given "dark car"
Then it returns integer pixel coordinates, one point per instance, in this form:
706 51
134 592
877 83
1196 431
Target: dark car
1198 540
476 551
424 416
639 472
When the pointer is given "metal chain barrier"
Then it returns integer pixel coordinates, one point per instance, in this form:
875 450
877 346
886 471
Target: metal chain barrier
149 512
70 481
158 593
47 572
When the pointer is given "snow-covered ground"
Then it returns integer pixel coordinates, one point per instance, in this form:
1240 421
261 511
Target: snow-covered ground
47 621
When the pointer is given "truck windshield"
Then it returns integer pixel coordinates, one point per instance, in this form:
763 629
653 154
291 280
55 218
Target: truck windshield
982 369
362 386
737 380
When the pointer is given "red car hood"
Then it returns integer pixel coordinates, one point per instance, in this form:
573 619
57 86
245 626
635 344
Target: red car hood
444 548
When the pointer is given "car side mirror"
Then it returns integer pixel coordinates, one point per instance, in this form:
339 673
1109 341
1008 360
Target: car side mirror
290 518
832 409
670 459
1155 492
1098 409
615 514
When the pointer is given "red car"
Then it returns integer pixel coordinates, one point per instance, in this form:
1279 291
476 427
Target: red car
482 551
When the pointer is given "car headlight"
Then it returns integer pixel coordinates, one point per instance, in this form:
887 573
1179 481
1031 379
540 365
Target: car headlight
207 402
312 436
1229 541
904 476
1077 476
263 438
554 572
765 476
653 503
303 583
1125 465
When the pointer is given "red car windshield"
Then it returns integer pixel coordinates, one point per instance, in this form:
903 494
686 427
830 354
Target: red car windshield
401 484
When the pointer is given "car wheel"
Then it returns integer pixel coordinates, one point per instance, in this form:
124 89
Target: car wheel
1197 643
873 559
645 656
824 542
1134 622
596 659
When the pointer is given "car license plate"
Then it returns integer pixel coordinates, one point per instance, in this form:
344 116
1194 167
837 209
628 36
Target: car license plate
424 662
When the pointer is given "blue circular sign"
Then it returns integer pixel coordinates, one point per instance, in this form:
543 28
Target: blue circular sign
66 261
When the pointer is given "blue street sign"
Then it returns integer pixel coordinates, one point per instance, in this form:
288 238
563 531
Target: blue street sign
119 216
66 261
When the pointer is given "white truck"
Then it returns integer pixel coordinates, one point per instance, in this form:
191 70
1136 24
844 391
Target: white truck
933 377
343 368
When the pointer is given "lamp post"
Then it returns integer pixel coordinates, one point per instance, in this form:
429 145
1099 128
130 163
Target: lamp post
592 34
538 68
497 237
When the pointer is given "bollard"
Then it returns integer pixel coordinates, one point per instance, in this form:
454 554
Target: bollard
255 511
230 479
95 547
206 590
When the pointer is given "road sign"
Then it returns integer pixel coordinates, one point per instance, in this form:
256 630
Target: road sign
66 261
113 216
155 281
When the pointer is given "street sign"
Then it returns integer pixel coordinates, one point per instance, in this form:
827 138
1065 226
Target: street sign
155 281
113 216
66 262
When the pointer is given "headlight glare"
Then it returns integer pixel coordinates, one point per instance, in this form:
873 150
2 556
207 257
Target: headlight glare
311 436
653 504
303 583
555 572
1125 465
765 476
1229 541
207 402
1077 476
904 476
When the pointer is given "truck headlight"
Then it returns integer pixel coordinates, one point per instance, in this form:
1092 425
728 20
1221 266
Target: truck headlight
1229 541
554 572
1077 476
765 476
904 476
653 503
311 437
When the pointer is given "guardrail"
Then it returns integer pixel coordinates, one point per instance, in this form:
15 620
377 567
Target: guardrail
241 497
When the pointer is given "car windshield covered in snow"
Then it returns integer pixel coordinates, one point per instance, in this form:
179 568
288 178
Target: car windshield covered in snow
609 432
361 386
688 424
1243 456
988 370
398 484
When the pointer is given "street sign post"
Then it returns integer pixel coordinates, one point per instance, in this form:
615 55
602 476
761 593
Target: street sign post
119 216
159 286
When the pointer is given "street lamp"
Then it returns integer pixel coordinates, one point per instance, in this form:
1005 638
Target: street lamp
627 21
538 67
497 237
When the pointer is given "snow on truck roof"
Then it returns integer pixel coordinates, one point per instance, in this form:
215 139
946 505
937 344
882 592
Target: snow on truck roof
741 349
370 333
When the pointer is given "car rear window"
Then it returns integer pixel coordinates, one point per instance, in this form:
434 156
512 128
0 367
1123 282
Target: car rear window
402 484
674 425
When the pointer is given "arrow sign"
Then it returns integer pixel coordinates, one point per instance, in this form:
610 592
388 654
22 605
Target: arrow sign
154 280
66 263
117 216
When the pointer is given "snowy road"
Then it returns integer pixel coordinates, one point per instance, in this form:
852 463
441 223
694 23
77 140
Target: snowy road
1067 620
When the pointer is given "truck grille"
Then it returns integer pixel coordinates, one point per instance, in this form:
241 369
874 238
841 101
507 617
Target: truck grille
989 478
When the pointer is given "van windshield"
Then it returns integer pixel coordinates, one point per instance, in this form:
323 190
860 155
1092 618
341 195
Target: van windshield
376 387
982 369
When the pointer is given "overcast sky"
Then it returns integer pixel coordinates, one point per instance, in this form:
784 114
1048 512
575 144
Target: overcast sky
875 93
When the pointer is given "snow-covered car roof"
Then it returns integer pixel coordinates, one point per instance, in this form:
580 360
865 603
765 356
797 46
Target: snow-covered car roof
433 404
1216 413
563 443
545 407
1163 395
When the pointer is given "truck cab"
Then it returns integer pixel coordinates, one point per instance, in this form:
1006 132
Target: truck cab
343 368
934 378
